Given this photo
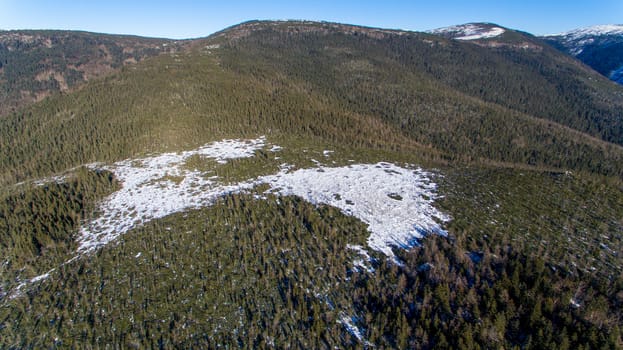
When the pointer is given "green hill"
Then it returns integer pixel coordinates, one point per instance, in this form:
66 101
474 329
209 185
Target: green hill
524 141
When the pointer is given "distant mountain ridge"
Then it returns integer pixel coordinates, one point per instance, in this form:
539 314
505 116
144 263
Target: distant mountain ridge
470 31
600 47
37 63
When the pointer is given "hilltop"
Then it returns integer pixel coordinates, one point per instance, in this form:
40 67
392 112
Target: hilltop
319 185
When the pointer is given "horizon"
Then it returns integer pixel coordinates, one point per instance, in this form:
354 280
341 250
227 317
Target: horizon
299 20
188 19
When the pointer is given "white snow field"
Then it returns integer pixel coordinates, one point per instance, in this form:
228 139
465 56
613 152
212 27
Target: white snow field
578 34
577 40
158 186
395 202
470 31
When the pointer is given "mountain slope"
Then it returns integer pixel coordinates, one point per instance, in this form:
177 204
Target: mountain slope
327 82
238 193
35 64
404 77
542 82
600 47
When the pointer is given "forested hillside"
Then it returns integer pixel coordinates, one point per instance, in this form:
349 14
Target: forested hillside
35 63
326 82
515 70
266 145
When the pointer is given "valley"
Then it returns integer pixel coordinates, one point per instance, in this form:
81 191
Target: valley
315 185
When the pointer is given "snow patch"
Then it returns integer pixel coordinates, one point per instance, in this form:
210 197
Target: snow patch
349 323
470 31
617 75
158 186
362 264
598 30
491 33
359 249
370 193
18 290
575 304
395 202
41 277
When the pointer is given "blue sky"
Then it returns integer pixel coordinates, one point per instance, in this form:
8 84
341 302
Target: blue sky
191 18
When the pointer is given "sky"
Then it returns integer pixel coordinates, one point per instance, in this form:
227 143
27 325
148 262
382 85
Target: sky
181 19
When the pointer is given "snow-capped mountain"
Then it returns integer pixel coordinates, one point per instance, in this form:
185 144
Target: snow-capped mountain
600 47
470 31
606 29
578 39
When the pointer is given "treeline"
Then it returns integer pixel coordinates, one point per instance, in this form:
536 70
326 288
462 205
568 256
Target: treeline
532 262
444 297
277 272
569 220
39 223
243 273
